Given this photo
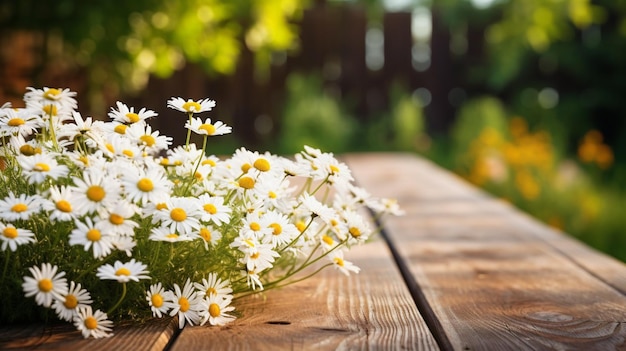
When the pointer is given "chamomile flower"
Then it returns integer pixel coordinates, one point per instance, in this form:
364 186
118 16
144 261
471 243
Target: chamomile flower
94 192
207 128
357 226
190 106
316 208
209 235
116 219
252 227
75 299
215 310
282 231
166 234
181 216
342 265
127 115
61 98
12 237
45 284
60 205
160 300
149 140
187 304
21 122
213 285
89 236
123 272
214 209
95 324
259 259
22 207
146 185
39 167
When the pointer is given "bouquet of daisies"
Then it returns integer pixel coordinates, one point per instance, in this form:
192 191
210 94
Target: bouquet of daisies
102 221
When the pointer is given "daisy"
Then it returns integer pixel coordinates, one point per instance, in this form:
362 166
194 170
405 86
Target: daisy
149 185
357 226
50 96
187 304
342 265
334 171
115 219
89 236
127 115
39 167
165 234
207 128
75 299
215 310
81 127
253 280
260 258
144 136
181 216
252 227
316 208
13 208
12 237
214 209
124 243
60 206
45 284
190 106
212 285
282 231
94 191
209 235
123 272
159 299
21 122
94 324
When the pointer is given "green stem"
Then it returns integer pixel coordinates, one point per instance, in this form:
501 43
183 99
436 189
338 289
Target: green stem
53 136
188 132
119 301
299 236
192 179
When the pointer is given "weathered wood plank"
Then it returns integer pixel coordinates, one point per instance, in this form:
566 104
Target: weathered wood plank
492 278
370 310
153 335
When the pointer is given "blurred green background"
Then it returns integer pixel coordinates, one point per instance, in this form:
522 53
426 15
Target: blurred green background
523 98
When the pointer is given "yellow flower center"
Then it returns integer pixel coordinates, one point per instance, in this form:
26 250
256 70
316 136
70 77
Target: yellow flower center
184 304
120 129
262 165
165 161
15 122
198 175
145 185
272 195
209 162
172 236
210 208
10 232
161 206
110 147
148 139
64 206
334 169
70 302
328 240
211 291
301 226
116 219
355 232
205 234
132 117
19 208
214 310
246 182
157 300
128 153
94 235
91 323
208 128
122 271
255 226
41 167
255 255
29 150
277 228
84 160
95 193
338 261
51 94
178 214
191 106
245 167
45 285
50 110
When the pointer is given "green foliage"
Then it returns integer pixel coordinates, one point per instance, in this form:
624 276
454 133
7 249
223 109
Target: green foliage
312 117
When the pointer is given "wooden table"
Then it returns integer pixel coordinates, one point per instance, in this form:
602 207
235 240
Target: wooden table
460 271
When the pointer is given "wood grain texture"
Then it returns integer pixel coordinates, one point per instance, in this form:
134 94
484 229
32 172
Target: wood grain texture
153 335
370 310
493 278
